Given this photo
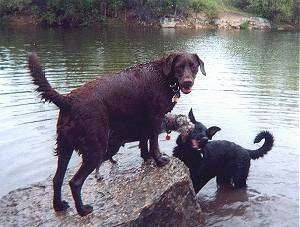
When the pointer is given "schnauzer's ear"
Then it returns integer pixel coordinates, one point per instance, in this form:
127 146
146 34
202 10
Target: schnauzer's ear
210 132
191 117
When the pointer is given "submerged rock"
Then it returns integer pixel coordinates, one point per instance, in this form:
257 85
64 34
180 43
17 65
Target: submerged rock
131 193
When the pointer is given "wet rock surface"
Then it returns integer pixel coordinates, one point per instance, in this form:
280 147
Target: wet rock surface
131 193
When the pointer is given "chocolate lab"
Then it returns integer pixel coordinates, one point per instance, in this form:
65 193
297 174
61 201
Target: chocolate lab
133 101
225 160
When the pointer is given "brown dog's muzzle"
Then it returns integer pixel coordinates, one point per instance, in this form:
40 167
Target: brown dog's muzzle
186 85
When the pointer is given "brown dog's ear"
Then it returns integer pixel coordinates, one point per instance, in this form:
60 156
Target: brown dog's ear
168 62
201 64
211 131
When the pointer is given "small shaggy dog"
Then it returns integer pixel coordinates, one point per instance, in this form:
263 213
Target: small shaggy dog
98 117
225 160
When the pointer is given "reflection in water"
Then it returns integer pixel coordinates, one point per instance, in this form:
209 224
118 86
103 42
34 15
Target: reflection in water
225 203
252 84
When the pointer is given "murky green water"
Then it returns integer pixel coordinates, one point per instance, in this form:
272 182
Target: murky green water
252 84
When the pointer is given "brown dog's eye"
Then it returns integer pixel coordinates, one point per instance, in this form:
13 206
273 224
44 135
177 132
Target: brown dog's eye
179 68
193 67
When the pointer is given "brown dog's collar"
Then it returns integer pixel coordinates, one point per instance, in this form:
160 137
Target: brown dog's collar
174 87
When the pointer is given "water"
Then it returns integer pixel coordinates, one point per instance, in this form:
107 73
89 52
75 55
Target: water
252 84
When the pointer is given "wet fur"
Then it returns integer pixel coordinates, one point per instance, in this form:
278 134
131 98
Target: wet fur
98 117
225 160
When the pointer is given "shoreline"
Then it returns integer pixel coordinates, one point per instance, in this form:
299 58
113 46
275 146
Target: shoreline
196 21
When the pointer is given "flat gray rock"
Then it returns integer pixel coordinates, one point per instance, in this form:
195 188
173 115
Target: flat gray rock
132 193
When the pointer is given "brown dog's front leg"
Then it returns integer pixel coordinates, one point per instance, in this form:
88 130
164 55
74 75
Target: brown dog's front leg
155 152
143 145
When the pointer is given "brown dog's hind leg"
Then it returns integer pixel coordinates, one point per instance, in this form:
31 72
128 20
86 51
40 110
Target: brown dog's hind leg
89 163
64 154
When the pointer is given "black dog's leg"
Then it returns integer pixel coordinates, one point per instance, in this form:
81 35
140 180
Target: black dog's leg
143 145
224 180
239 181
64 154
240 176
199 182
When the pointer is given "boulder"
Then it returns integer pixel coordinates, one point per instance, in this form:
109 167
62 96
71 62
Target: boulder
131 193
259 23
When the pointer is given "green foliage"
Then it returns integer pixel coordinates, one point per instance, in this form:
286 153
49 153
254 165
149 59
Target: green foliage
49 17
11 6
245 25
209 6
274 10
84 12
69 12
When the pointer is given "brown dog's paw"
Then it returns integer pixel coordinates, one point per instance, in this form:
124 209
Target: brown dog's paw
113 161
162 161
146 156
61 206
85 210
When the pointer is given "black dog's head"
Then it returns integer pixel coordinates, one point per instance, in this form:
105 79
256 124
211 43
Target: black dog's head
198 137
182 69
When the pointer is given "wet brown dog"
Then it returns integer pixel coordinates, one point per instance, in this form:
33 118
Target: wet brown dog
130 104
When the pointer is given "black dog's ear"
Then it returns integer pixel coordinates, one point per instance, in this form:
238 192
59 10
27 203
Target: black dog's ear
210 132
191 116
169 59
201 64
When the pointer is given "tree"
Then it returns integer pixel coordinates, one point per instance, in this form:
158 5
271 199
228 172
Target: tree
206 5
274 10
115 5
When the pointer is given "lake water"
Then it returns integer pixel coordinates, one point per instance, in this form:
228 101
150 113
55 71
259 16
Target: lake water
252 84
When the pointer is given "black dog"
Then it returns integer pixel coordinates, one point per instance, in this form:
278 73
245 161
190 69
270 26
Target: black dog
126 106
225 160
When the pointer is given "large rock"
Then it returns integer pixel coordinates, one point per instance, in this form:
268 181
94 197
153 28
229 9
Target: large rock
131 193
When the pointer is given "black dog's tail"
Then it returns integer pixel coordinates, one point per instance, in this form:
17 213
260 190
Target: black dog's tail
44 88
267 146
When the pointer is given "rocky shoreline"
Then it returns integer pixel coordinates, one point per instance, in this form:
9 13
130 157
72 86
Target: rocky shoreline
222 21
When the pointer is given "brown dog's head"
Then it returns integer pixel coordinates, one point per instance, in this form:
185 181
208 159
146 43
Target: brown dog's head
182 69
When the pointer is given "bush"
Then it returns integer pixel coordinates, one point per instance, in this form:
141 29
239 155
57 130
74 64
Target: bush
274 10
12 6
244 25
209 6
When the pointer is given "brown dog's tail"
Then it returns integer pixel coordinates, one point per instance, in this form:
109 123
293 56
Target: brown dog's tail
267 146
44 88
